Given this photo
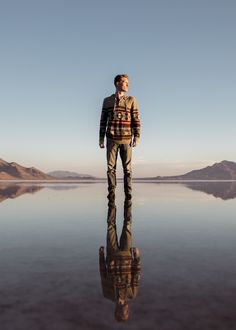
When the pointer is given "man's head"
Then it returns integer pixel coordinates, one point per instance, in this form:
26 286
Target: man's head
121 82
122 312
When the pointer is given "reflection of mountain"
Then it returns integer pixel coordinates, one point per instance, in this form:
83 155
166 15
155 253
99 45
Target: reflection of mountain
223 190
60 187
12 171
14 191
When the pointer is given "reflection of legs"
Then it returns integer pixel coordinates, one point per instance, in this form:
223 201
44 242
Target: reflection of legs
112 241
126 235
112 151
126 155
128 211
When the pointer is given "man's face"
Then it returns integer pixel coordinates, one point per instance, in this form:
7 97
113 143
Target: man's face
122 85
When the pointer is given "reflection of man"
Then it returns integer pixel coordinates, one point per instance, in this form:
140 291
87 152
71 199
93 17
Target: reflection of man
120 270
120 122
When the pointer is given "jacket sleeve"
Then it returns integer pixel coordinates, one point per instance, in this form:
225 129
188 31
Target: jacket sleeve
136 267
102 264
106 282
136 274
135 121
103 123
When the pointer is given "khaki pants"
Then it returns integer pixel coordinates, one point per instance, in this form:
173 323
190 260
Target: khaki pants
126 236
125 151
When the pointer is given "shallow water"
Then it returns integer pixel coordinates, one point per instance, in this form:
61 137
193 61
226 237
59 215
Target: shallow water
49 241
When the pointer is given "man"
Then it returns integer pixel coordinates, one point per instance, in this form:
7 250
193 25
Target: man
120 270
121 124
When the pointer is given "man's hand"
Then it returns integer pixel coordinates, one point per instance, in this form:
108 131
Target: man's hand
135 142
101 250
101 144
136 252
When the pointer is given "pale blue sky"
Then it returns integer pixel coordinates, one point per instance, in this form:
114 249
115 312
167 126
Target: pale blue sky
58 61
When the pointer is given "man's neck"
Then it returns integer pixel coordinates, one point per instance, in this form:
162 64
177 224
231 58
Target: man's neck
119 94
121 301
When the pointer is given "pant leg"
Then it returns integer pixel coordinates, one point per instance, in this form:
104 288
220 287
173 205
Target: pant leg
126 235
112 240
112 151
126 157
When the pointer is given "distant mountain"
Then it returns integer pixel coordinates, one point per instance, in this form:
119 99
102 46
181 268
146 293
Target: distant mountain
224 170
14 171
67 175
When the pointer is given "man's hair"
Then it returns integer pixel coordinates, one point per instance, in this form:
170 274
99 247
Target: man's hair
118 78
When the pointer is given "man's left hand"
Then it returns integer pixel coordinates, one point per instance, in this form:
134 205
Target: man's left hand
135 142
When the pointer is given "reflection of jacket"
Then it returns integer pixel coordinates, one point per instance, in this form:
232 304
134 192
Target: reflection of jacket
119 119
120 270
120 274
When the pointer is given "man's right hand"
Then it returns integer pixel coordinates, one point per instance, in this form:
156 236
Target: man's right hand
101 250
135 142
101 145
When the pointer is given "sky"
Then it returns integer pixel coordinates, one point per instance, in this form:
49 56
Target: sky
58 59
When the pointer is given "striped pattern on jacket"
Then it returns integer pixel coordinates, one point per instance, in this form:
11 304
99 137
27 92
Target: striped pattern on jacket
119 119
120 275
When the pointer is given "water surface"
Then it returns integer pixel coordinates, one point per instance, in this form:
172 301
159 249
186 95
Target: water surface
49 241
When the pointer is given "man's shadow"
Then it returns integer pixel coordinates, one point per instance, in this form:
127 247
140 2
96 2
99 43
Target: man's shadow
121 268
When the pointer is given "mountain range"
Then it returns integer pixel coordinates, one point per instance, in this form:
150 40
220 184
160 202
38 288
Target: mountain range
69 175
225 170
14 171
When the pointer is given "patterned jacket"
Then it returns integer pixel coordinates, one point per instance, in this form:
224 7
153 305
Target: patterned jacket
120 275
119 119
